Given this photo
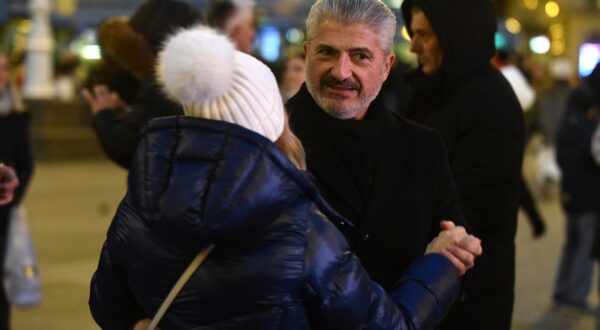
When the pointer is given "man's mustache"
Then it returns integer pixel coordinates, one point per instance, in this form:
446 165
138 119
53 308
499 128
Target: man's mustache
330 81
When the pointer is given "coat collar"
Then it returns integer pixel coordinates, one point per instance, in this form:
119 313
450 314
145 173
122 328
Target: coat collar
329 171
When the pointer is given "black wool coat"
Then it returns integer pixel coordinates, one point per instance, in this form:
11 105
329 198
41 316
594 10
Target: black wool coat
478 115
411 190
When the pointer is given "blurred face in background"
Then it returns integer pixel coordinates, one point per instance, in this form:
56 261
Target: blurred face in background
242 31
425 43
3 72
294 75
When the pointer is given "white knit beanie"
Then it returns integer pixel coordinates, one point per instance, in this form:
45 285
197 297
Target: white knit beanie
201 69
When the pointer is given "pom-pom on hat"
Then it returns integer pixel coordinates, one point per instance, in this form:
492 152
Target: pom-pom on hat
202 70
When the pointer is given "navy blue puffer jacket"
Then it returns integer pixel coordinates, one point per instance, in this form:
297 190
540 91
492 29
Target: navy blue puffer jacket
279 261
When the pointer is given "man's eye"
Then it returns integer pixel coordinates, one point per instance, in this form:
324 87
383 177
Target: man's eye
361 57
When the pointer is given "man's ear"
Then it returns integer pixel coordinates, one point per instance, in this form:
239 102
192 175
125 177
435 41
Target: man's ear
305 45
389 62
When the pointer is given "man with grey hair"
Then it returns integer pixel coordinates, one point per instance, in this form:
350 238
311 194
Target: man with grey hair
387 175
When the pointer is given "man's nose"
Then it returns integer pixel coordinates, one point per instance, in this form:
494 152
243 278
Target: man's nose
343 68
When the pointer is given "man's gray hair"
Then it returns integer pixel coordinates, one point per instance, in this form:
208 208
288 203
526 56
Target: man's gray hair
372 13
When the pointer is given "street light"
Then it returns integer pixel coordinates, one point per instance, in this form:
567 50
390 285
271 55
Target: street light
552 9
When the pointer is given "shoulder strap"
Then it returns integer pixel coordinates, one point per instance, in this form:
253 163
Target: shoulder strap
198 260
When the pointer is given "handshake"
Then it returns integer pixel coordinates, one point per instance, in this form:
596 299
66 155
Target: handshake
455 244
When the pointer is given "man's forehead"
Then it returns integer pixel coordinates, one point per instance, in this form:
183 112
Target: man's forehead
334 25
346 36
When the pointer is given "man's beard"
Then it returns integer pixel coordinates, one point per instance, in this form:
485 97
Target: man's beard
337 110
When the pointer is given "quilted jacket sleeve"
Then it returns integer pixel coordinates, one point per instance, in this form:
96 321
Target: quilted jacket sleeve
340 294
111 303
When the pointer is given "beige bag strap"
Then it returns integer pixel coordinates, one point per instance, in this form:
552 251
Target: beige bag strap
198 260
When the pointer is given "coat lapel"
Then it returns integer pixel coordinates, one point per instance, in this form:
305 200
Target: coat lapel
331 176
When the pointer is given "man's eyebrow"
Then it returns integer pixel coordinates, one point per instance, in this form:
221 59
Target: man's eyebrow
352 50
361 50
324 47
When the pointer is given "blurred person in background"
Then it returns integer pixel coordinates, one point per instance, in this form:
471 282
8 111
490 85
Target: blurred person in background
133 44
552 106
580 194
118 77
15 151
65 81
229 173
526 96
458 92
524 91
236 19
293 75
553 101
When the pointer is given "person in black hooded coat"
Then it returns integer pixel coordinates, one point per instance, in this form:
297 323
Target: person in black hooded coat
459 93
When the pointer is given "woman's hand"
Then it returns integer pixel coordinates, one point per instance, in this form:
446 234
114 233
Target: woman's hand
455 244
101 98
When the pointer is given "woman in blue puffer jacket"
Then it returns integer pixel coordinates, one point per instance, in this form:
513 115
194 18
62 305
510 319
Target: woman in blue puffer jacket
279 261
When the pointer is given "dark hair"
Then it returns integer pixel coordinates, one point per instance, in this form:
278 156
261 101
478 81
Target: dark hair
219 12
156 19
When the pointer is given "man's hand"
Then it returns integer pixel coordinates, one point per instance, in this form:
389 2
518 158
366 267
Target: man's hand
8 184
455 244
101 98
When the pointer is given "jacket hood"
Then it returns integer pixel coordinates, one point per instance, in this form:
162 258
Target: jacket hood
466 29
196 181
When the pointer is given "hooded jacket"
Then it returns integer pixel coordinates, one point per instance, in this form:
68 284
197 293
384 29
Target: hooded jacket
478 115
580 188
279 261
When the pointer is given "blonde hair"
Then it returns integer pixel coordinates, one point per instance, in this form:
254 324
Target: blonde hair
291 146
